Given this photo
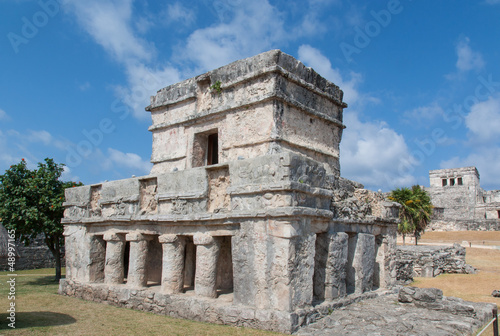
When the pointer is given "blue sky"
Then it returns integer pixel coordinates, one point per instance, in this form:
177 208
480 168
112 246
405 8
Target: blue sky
422 78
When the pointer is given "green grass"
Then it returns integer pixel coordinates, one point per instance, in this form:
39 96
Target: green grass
41 311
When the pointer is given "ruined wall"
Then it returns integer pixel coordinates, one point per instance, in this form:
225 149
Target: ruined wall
350 200
34 256
430 261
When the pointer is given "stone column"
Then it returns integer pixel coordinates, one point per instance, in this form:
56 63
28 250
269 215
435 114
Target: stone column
363 262
97 255
335 285
207 255
137 276
172 275
113 269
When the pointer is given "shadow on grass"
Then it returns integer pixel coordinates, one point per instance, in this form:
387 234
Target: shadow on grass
36 319
43 281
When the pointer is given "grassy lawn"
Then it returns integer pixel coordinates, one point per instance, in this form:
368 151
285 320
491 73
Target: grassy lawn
41 311
470 287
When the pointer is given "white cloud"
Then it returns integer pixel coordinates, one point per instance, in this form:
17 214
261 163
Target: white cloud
253 27
13 149
67 175
33 145
85 86
423 116
4 115
246 28
374 154
128 160
468 59
110 23
142 83
483 121
178 13
324 2
7 158
45 138
371 152
314 58
39 136
311 25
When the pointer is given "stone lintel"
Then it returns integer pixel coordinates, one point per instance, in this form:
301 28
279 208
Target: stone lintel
118 200
320 226
289 186
77 204
180 195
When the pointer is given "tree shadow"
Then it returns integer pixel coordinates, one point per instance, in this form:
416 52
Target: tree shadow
43 281
36 319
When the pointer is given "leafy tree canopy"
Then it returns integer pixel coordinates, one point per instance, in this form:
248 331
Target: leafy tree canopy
31 203
415 212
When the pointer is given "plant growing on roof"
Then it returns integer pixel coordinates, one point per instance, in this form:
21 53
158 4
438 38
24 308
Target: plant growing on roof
217 87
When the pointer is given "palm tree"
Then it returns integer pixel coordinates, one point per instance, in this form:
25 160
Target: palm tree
416 210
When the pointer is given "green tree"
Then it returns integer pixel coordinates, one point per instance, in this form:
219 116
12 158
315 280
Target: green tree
31 203
415 212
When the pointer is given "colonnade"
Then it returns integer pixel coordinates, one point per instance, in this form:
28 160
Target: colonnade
175 259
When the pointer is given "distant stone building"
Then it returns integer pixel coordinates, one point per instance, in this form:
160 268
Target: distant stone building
244 218
460 203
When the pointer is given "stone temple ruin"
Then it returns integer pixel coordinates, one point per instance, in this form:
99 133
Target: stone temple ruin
460 203
244 218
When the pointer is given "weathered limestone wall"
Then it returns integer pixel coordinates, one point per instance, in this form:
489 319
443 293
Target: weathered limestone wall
430 261
465 225
266 104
